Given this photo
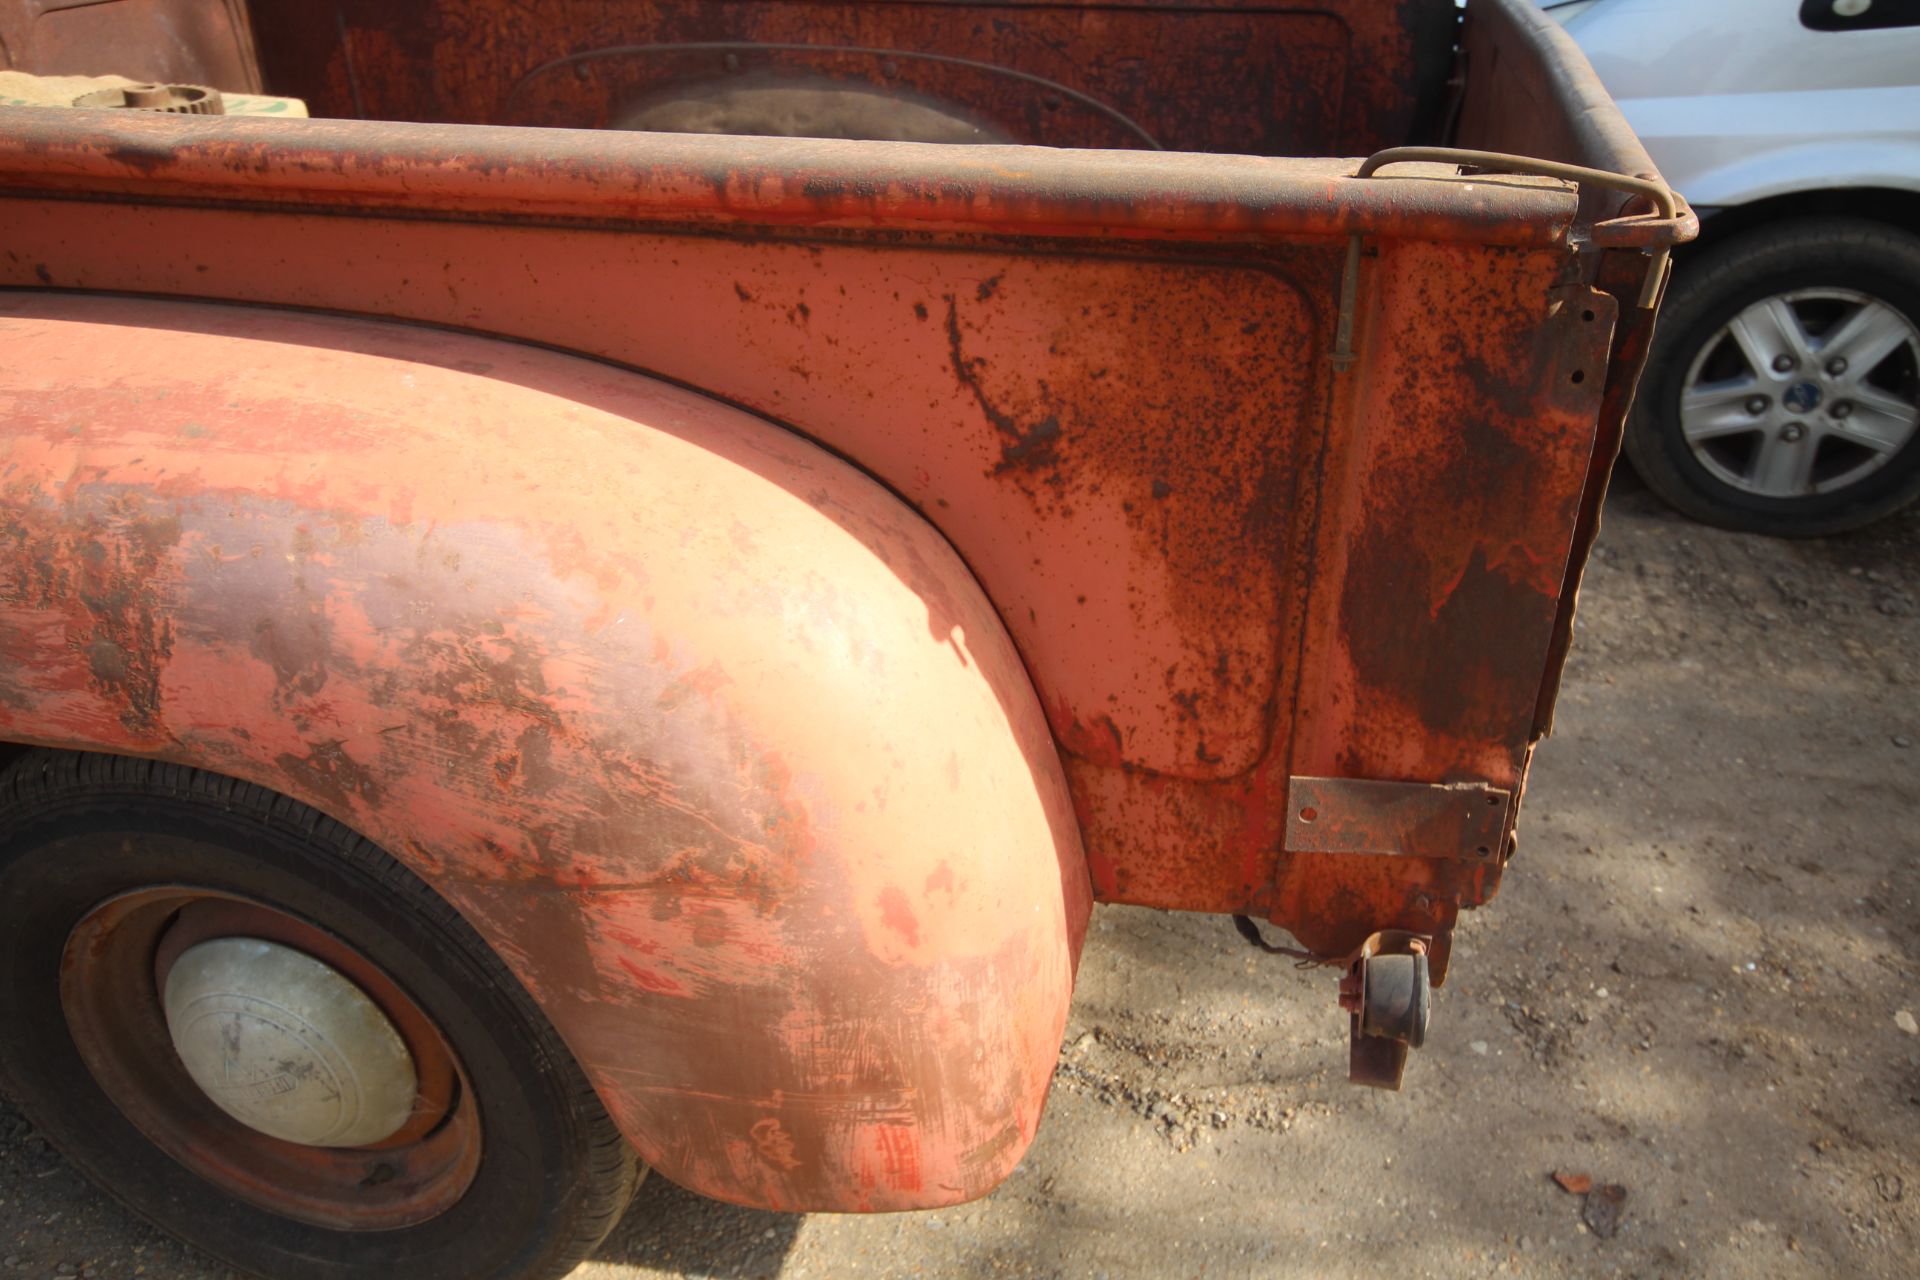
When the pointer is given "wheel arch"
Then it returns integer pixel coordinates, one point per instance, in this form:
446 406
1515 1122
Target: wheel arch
1896 206
717 743
1805 173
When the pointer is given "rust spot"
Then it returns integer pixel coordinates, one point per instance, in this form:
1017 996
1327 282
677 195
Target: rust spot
467 670
1033 447
1098 742
295 644
146 159
898 916
110 554
774 1144
989 1151
650 981
1105 876
900 1156
703 682
329 772
1459 665
711 929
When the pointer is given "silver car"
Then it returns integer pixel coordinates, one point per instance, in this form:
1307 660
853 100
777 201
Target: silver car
1783 391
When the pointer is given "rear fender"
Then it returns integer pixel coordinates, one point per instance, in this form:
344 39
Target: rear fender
716 741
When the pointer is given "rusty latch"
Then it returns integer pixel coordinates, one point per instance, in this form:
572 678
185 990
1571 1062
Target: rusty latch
1403 819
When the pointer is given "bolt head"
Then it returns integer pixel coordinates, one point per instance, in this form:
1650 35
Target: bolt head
1841 408
1783 364
1756 405
1836 366
1794 431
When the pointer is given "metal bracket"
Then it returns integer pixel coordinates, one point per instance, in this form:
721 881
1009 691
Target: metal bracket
1501 162
1397 819
1343 357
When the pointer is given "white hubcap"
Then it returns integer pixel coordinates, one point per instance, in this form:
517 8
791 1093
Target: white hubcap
1802 393
286 1045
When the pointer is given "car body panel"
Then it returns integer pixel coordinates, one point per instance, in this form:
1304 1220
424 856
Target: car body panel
712 739
1738 100
1105 466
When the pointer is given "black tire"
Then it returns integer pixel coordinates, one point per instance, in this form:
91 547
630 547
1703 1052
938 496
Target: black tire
553 1174
1712 286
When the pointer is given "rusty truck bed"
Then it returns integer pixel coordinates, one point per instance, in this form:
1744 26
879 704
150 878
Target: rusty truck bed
1278 469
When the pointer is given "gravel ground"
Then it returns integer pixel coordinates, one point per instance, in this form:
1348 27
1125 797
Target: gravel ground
1698 987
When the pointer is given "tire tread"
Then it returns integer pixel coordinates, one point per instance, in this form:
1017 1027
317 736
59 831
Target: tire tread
46 783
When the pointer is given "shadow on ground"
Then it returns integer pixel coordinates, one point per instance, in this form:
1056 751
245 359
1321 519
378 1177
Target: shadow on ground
672 1231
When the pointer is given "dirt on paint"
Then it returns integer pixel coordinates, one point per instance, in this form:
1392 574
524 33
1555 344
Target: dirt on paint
1686 1004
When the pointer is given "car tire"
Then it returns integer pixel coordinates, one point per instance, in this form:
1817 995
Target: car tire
508 1166
1790 469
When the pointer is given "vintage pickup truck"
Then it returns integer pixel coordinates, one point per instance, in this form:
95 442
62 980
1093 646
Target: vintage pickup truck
617 595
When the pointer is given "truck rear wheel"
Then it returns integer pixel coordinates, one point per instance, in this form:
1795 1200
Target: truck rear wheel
262 1034
1782 395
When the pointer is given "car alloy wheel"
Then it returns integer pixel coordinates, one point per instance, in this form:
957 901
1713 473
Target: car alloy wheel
1803 392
